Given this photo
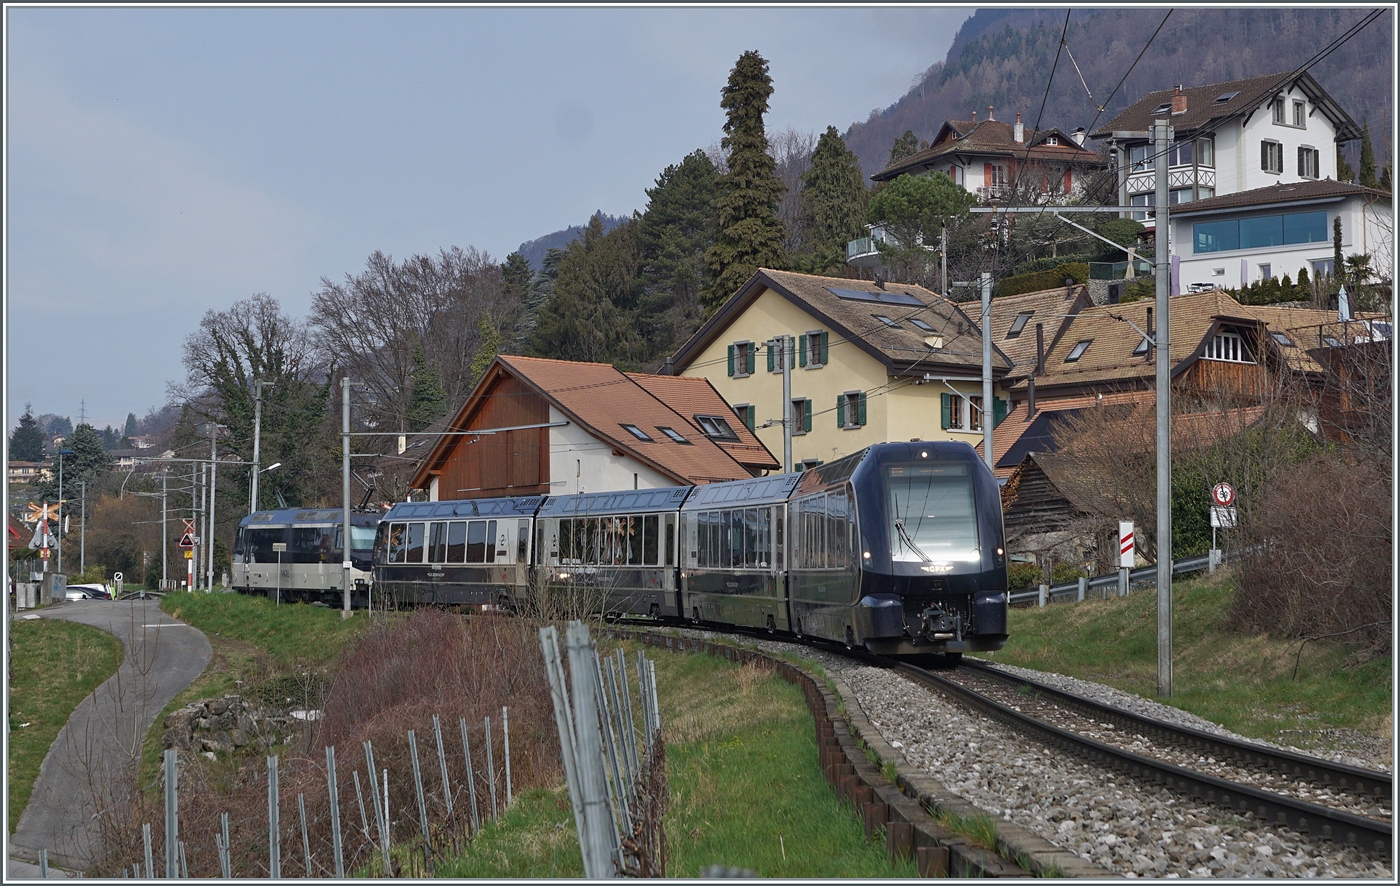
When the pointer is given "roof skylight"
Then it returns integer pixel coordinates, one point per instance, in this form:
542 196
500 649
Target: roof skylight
674 435
638 433
887 321
919 324
1019 324
715 427
1225 97
1079 350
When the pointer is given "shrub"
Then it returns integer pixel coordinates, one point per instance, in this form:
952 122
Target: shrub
1020 576
1076 271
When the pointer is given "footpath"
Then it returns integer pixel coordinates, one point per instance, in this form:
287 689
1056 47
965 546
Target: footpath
102 739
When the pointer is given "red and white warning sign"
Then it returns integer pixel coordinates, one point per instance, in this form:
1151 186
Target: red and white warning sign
187 539
1223 495
1127 545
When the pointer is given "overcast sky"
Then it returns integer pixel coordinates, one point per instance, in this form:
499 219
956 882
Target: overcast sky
162 162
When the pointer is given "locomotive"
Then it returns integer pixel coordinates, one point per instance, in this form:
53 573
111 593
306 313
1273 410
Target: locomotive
898 548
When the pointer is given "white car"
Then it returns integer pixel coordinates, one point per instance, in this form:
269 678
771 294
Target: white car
1201 287
88 592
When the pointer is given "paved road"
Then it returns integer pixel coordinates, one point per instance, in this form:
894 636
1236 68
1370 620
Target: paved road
102 740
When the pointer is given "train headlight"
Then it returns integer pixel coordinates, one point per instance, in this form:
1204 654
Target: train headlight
867 555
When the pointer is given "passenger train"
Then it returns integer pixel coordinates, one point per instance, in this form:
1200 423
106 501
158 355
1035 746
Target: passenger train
297 555
898 548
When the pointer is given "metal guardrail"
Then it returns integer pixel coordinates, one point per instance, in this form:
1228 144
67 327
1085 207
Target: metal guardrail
1188 564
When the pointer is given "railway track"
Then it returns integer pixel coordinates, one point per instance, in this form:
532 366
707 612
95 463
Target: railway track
1346 804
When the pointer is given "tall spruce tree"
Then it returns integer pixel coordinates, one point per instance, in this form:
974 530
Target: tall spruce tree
672 236
833 203
1344 171
1366 174
130 425
89 463
591 315
907 145
27 441
748 233
428 402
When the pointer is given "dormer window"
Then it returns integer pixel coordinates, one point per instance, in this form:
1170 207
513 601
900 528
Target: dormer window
1052 140
1228 347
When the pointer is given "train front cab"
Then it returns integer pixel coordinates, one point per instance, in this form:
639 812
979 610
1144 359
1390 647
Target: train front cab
733 536
929 572
471 552
309 567
611 552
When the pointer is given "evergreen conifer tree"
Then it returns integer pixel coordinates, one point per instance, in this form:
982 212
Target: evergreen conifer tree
27 441
591 316
1366 175
428 402
833 202
1344 171
1337 264
130 425
672 236
748 233
487 351
907 145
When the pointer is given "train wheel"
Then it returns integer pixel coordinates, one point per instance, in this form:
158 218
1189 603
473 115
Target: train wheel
655 611
797 627
695 614
953 658
850 638
772 626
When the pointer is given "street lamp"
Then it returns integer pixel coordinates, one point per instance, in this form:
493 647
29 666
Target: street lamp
61 454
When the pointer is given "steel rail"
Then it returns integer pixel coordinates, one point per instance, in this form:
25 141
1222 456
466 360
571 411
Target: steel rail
1355 779
1346 828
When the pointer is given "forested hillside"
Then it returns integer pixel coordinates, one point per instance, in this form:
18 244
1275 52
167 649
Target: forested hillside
1002 57
534 250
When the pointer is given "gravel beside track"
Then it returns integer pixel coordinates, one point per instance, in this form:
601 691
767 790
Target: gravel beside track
1129 829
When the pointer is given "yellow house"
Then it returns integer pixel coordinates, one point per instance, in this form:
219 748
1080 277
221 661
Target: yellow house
871 363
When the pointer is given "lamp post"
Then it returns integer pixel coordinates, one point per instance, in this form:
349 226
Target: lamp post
59 534
253 494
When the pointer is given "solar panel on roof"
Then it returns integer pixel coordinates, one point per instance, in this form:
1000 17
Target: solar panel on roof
882 297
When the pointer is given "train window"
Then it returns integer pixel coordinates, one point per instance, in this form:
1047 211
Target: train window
361 537
588 548
670 540
310 544
650 545
413 549
635 535
522 544
397 537
490 541
456 542
476 541
933 505
778 539
437 542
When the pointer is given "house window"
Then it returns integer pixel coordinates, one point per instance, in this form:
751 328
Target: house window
1266 271
1229 347
1307 162
996 176
974 413
1137 158
745 412
1148 199
1078 350
1271 157
715 427
638 433
1260 231
741 361
1278 109
1205 152
953 409
1300 115
850 410
1322 268
801 416
1179 195
1206 193
676 436
887 321
1179 154
1019 324
1053 140
964 413
814 350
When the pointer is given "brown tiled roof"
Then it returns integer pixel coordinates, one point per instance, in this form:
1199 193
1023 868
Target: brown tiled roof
600 399
852 322
1052 307
1291 192
992 137
1202 110
691 396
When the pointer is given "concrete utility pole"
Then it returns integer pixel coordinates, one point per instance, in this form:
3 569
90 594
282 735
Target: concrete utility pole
345 493
213 488
201 523
943 257
257 434
1162 139
988 413
164 535
82 532
785 354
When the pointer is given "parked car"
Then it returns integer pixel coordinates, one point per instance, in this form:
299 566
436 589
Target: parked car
89 592
1201 287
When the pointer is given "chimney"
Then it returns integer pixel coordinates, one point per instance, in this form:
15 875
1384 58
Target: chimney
1040 349
1151 336
1078 136
974 118
1030 398
1178 103
989 114
1020 130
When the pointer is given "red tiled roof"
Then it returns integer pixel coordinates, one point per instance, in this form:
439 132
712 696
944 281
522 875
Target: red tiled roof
690 396
993 137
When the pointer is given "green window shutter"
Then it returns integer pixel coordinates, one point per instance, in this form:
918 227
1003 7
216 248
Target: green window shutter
770 356
731 361
792 355
860 411
806 415
802 350
998 410
749 416
823 360
840 410
947 410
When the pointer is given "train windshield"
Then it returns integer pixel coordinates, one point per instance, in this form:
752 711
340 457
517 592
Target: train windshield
361 537
932 515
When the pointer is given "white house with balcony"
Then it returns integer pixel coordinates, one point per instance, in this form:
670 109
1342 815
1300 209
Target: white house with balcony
1229 138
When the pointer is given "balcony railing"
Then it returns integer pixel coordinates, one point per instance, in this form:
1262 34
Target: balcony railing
867 247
